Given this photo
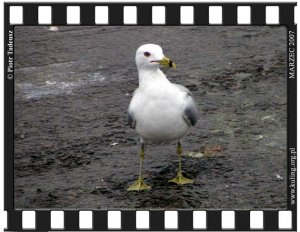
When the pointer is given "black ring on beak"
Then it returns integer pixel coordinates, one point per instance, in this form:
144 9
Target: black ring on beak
170 63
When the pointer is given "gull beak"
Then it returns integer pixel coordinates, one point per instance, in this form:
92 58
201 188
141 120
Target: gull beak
167 62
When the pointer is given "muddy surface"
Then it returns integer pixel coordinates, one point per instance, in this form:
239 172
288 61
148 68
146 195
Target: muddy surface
74 149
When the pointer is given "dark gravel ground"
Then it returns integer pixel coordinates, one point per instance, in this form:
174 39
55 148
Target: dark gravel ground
73 148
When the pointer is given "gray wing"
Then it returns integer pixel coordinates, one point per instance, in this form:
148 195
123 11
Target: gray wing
190 113
130 115
131 120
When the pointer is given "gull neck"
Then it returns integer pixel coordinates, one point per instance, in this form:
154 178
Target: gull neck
147 76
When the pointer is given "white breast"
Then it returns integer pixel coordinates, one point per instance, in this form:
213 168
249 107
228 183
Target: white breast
158 109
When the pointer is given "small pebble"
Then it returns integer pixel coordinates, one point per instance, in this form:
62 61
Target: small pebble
113 144
257 137
195 154
53 28
52 195
279 177
260 68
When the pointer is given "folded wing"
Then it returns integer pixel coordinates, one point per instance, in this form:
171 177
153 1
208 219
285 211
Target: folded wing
190 112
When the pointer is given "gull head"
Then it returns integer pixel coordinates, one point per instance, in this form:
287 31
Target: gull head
150 56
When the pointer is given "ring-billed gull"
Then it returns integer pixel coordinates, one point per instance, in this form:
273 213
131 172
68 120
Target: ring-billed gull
159 110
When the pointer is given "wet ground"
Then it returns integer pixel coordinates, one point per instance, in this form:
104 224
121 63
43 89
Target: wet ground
74 149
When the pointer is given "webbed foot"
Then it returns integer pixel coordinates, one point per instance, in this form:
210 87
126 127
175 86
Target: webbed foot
180 179
139 185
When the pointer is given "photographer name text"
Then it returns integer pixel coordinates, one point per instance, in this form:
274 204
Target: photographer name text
10 55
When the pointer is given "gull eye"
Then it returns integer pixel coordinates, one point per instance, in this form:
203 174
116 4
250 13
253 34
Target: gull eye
147 54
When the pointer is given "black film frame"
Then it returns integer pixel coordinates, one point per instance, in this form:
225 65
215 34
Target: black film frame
144 17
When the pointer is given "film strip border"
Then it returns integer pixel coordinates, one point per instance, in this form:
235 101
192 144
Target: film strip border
59 14
152 14
183 220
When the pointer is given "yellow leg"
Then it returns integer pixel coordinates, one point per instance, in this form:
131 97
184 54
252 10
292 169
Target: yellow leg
180 179
139 184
